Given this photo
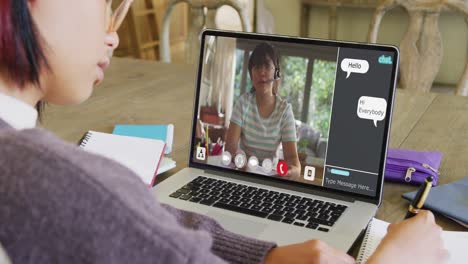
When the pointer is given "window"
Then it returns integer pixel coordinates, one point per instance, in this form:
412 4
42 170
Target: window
292 88
323 81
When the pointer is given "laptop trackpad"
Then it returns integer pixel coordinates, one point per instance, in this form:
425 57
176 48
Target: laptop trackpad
238 225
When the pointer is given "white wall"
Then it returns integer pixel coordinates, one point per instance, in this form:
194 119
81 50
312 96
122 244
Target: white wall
353 25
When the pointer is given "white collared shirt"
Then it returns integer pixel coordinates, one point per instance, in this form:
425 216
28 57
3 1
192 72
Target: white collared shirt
17 113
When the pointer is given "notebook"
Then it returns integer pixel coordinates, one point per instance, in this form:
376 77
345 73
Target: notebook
140 155
166 164
161 132
449 200
455 242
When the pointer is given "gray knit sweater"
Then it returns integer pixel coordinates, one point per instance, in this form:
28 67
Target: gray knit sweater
59 204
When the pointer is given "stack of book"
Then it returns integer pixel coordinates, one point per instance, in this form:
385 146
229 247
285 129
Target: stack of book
141 148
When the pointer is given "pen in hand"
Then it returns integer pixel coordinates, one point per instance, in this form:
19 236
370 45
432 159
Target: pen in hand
420 197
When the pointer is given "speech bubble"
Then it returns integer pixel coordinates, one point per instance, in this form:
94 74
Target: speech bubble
372 108
354 65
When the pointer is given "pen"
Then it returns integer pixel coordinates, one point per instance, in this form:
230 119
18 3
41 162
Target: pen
419 198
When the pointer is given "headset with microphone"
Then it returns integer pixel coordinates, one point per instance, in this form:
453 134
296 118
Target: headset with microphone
276 77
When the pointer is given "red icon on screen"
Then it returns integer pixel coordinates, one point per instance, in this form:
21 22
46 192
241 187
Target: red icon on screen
282 168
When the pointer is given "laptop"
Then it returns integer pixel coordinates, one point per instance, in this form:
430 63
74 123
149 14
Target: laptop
289 137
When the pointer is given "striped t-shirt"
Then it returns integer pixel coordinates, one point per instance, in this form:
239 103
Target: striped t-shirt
260 136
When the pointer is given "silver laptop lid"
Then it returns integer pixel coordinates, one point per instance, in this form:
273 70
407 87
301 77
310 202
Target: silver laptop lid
308 112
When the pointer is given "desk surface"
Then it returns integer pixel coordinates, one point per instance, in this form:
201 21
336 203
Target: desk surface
139 92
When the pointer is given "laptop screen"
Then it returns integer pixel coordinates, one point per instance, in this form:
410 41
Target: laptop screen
308 111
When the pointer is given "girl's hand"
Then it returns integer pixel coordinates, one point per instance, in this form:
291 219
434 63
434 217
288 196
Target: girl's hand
414 240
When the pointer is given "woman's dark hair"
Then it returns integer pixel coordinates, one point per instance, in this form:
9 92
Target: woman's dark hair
260 55
21 55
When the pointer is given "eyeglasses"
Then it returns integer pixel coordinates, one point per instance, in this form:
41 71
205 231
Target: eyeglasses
263 67
115 18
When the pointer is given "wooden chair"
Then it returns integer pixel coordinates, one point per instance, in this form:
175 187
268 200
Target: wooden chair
142 15
201 15
264 20
421 47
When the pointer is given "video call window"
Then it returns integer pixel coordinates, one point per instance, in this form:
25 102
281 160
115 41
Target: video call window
299 77
300 112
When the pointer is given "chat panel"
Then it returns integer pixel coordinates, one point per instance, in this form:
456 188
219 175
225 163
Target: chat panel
236 130
357 128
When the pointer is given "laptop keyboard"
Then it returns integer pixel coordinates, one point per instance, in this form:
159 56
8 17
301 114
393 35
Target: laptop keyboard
276 206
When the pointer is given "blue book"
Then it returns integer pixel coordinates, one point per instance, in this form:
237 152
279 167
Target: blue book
450 200
161 132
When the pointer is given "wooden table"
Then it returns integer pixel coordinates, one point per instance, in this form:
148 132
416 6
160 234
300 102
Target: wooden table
140 92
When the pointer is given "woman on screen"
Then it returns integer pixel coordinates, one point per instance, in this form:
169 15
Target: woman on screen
261 120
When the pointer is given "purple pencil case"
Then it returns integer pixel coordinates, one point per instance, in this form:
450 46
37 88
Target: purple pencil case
411 166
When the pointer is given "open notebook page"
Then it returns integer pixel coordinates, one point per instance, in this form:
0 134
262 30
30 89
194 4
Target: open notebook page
141 155
455 242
